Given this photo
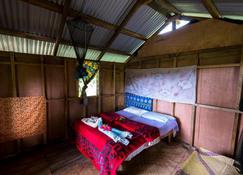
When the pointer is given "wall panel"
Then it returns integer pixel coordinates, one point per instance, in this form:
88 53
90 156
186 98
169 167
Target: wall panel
72 82
92 107
119 81
187 59
214 130
5 80
166 63
108 104
241 126
164 107
218 86
56 120
54 82
75 111
220 56
183 113
107 84
120 102
29 80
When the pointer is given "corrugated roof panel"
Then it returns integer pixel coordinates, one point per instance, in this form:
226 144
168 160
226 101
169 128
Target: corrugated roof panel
92 54
111 57
68 51
108 10
126 43
23 45
99 36
189 6
146 21
232 8
20 16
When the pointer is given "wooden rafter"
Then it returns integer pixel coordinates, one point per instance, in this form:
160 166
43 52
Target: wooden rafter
164 7
170 19
90 19
212 9
62 25
53 40
135 7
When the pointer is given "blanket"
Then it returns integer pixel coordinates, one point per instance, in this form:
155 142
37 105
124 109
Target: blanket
149 133
104 153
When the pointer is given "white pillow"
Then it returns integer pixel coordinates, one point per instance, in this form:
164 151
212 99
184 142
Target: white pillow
134 110
163 118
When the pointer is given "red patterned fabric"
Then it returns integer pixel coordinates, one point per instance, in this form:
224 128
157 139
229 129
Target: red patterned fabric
148 132
105 154
22 117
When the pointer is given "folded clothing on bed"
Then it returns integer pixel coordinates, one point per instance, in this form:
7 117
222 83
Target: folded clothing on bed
148 132
115 134
91 121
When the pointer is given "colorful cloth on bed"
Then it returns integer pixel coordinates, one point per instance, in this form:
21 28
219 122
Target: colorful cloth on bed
105 154
204 162
149 133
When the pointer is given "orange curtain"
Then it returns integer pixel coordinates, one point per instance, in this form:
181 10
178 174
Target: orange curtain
22 117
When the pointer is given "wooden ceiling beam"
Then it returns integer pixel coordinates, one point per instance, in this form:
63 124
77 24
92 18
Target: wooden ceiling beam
90 19
53 40
164 7
62 25
211 8
135 7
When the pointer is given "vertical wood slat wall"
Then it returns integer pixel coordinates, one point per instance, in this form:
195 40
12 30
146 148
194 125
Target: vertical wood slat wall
202 124
52 77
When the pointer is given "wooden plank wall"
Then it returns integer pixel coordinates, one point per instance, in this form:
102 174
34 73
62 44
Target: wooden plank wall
214 121
33 75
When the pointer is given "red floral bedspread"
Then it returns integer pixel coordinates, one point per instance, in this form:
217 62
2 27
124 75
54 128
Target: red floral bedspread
105 154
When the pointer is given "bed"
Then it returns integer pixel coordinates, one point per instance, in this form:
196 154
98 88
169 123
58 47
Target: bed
105 154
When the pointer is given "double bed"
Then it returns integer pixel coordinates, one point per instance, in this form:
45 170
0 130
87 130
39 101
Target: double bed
146 126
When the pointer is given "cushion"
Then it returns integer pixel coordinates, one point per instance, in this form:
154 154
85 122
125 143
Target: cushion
135 110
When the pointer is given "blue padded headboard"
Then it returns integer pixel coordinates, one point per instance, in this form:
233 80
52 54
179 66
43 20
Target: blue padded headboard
138 101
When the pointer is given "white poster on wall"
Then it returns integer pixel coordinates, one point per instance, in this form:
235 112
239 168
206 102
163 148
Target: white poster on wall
168 84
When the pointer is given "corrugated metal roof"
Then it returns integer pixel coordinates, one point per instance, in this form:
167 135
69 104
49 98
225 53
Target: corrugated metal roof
232 8
98 38
146 21
23 45
189 6
108 10
111 57
29 46
18 15
68 51
126 43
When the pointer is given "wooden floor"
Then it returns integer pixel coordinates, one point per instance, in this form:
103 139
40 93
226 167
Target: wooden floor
63 158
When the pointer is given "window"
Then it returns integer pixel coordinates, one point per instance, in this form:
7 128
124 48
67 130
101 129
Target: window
181 23
92 86
169 27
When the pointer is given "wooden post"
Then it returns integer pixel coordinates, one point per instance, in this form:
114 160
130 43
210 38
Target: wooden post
194 108
237 115
43 84
66 99
14 89
13 75
99 89
114 85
